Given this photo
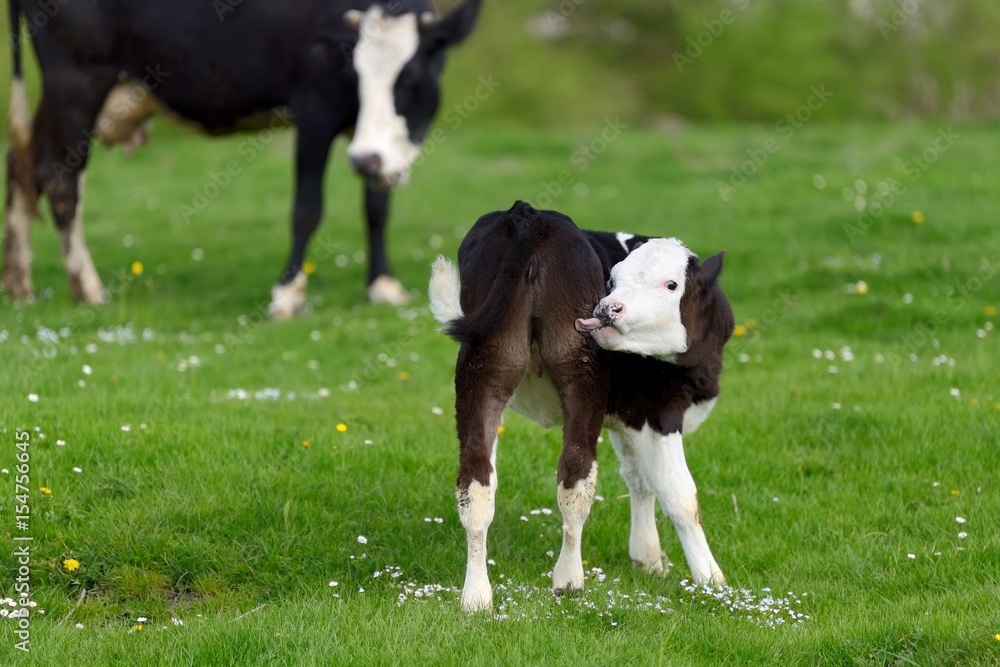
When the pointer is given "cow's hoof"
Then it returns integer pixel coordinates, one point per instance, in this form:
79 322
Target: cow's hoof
474 604
19 288
87 288
386 289
567 590
660 566
567 577
289 299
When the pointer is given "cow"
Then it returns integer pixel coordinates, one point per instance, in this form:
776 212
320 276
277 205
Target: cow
644 362
326 66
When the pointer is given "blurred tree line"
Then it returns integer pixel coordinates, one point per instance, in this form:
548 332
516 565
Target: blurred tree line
739 59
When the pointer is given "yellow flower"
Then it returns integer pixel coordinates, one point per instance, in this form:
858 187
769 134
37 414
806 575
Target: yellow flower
954 492
137 268
404 376
751 325
998 636
341 427
917 217
501 430
71 564
739 330
308 268
861 288
136 628
991 311
305 443
46 490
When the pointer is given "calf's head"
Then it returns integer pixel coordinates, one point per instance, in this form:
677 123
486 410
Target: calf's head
398 59
657 301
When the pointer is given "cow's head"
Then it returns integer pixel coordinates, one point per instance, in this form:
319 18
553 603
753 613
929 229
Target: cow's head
655 300
398 59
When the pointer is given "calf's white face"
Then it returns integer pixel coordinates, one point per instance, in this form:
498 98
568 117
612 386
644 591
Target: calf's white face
381 147
642 314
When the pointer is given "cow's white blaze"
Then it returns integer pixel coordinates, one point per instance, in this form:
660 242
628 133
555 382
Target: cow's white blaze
574 503
385 44
84 281
650 323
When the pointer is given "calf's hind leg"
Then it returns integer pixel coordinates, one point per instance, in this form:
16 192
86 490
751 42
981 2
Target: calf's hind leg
482 392
583 416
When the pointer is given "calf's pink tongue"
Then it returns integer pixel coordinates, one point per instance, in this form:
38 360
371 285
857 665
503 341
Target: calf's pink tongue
590 324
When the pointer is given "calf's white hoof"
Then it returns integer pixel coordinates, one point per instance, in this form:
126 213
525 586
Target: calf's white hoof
386 289
659 565
477 599
289 299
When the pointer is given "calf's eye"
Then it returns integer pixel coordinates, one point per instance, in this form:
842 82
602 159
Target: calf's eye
671 285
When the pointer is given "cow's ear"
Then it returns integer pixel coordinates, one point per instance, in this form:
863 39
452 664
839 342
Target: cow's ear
456 26
711 269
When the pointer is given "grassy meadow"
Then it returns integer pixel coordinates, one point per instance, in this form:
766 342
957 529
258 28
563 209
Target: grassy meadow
213 474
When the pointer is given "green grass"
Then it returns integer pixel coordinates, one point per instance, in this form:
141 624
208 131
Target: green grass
215 514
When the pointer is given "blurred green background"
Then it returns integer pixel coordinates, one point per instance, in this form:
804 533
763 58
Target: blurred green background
659 61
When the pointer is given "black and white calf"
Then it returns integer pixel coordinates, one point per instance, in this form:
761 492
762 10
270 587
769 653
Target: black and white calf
645 363
325 65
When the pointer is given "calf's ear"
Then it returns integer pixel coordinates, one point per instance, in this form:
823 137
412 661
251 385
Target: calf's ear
711 268
456 26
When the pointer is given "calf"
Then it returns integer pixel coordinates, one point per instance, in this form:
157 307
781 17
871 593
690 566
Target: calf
645 363
325 65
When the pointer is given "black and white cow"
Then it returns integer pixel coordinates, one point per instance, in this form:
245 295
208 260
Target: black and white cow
225 66
645 363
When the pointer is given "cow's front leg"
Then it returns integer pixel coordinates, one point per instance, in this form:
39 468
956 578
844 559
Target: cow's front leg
644 538
671 479
312 150
383 287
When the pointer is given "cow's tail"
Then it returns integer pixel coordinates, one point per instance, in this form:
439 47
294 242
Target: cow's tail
19 160
507 290
18 116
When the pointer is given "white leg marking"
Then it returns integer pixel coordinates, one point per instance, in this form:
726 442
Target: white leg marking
644 538
476 506
668 474
17 246
84 282
386 289
574 504
288 300
623 239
